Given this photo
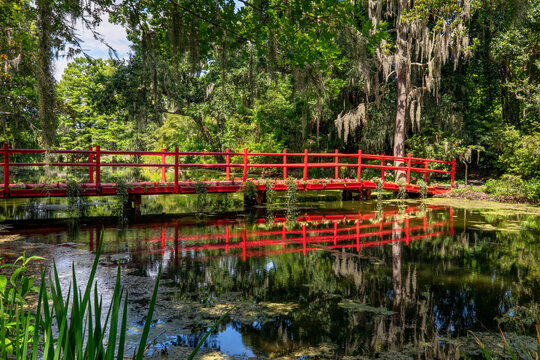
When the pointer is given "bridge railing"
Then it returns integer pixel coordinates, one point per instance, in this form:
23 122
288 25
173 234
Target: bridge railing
336 160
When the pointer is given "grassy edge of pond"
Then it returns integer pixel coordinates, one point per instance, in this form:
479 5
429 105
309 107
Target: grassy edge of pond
490 205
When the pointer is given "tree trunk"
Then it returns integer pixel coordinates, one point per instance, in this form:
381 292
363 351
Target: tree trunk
397 228
45 80
402 71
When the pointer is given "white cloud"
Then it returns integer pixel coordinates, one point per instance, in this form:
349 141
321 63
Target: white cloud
114 35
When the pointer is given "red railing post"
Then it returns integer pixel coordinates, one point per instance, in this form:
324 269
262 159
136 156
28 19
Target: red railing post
357 236
359 170
408 169
426 172
244 257
305 164
453 175
336 168
244 176
304 239
90 167
6 169
451 221
176 165
227 162
382 167
407 234
335 233
163 168
284 164
98 167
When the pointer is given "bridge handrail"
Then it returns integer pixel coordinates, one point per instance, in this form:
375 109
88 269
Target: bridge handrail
94 162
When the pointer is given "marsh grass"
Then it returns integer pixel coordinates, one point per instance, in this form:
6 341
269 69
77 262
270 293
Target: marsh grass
66 325
518 351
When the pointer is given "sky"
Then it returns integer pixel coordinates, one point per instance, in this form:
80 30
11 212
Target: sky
114 35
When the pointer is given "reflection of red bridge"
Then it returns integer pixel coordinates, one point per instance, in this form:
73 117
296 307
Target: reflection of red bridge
311 236
95 160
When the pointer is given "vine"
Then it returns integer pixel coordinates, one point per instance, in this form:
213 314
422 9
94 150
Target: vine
402 192
78 205
202 196
250 193
379 183
423 188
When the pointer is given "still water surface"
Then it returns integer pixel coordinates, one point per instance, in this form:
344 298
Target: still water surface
334 279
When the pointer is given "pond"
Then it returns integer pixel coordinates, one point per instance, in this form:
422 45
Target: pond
330 279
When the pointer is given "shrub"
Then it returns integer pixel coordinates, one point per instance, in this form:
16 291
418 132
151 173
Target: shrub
520 153
507 185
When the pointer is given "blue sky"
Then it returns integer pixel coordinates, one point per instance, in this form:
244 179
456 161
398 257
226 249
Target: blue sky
114 35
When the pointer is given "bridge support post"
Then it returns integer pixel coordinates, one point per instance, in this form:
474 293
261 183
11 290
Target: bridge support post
6 170
346 195
134 204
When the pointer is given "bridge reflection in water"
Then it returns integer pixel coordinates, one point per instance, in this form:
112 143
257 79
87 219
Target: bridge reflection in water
394 281
263 237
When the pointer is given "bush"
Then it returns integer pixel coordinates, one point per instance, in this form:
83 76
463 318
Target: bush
507 185
520 153
532 189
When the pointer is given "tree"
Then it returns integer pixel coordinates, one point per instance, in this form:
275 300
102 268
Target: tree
416 39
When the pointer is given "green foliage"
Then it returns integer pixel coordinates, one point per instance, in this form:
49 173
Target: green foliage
17 322
379 182
202 196
122 200
402 192
423 188
520 153
270 192
78 205
250 193
507 185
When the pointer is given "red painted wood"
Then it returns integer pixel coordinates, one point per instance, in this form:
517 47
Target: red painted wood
284 164
359 170
176 160
228 168
163 168
336 168
305 164
409 169
453 173
90 168
244 176
98 167
382 167
6 170
426 173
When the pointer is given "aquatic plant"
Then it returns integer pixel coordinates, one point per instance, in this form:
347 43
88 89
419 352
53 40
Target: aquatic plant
17 323
291 195
202 196
78 205
402 192
270 192
250 193
518 351
423 188
72 316
379 183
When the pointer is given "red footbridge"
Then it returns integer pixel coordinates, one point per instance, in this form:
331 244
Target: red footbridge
233 168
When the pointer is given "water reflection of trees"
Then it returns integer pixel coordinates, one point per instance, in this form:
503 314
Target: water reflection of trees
437 287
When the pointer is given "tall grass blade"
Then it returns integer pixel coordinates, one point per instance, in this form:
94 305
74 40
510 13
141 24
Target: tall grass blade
117 296
482 346
38 327
123 329
146 330
212 329
538 340
507 345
